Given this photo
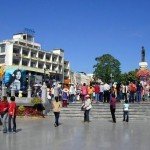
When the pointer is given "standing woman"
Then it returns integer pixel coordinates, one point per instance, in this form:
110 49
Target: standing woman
65 96
4 106
84 91
113 107
87 107
56 105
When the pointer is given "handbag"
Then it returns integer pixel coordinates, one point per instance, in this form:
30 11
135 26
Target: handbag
82 108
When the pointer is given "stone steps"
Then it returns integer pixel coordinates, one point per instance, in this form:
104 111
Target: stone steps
102 111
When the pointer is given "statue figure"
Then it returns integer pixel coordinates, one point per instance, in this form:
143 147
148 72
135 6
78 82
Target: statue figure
143 54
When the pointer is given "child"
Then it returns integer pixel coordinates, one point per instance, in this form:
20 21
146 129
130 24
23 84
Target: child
12 114
56 104
4 105
126 111
113 107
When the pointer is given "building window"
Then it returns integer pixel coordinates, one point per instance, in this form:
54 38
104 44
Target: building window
2 59
2 48
33 54
16 61
25 52
16 50
24 62
41 55
48 57
33 64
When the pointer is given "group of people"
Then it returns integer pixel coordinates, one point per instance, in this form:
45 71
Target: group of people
100 92
86 107
8 114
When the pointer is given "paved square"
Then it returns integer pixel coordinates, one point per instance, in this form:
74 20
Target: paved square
40 134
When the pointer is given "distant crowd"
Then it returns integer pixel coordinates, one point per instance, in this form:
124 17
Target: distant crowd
101 92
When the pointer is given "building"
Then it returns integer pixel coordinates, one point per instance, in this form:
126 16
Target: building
78 78
24 54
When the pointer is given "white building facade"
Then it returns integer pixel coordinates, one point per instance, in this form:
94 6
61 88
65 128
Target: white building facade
21 52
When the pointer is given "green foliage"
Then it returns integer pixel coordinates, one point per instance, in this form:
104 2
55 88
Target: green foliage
107 68
130 76
36 100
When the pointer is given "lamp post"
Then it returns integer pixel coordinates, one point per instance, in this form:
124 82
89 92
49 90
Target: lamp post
44 74
13 89
56 71
44 88
29 87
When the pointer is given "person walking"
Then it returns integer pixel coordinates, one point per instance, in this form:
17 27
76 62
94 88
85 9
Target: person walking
12 114
72 93
106 93
56 105
139 92
84 91
87 107
4 105
126 111
113 107
132 90
65 96
97 91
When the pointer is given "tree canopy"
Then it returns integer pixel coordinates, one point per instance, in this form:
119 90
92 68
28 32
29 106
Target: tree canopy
107 68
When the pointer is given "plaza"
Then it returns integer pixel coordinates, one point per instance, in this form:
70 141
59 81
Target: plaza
72 134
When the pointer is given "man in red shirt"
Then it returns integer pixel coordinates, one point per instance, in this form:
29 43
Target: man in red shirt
97 91
12 114
4 112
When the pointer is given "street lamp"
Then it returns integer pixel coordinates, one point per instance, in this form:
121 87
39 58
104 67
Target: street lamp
44 73
29 79
29 87
56 70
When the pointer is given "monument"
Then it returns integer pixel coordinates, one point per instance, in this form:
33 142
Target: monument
143 73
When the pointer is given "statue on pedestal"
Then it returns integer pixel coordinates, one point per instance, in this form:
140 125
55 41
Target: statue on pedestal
143 54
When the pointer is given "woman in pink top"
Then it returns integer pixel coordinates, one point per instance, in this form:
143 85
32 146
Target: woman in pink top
84 91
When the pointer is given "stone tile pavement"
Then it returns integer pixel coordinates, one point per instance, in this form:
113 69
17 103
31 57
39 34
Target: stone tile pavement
73 134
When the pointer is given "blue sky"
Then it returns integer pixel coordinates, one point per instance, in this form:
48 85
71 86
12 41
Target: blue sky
85 29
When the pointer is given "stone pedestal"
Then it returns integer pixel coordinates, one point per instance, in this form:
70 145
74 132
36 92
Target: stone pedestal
29 92
44 93
12 91
143 65
4 89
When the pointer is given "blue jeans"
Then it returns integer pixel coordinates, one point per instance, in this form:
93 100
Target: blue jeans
125 116
97 97
138 96
132 97
57 118
4 121
86 115
10 117
101 96
72 98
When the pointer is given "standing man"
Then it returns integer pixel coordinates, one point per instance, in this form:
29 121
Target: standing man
97 91
106 93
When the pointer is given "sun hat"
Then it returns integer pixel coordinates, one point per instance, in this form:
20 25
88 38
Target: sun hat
87 96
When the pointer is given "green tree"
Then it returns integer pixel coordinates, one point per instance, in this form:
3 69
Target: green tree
130 76
107 68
